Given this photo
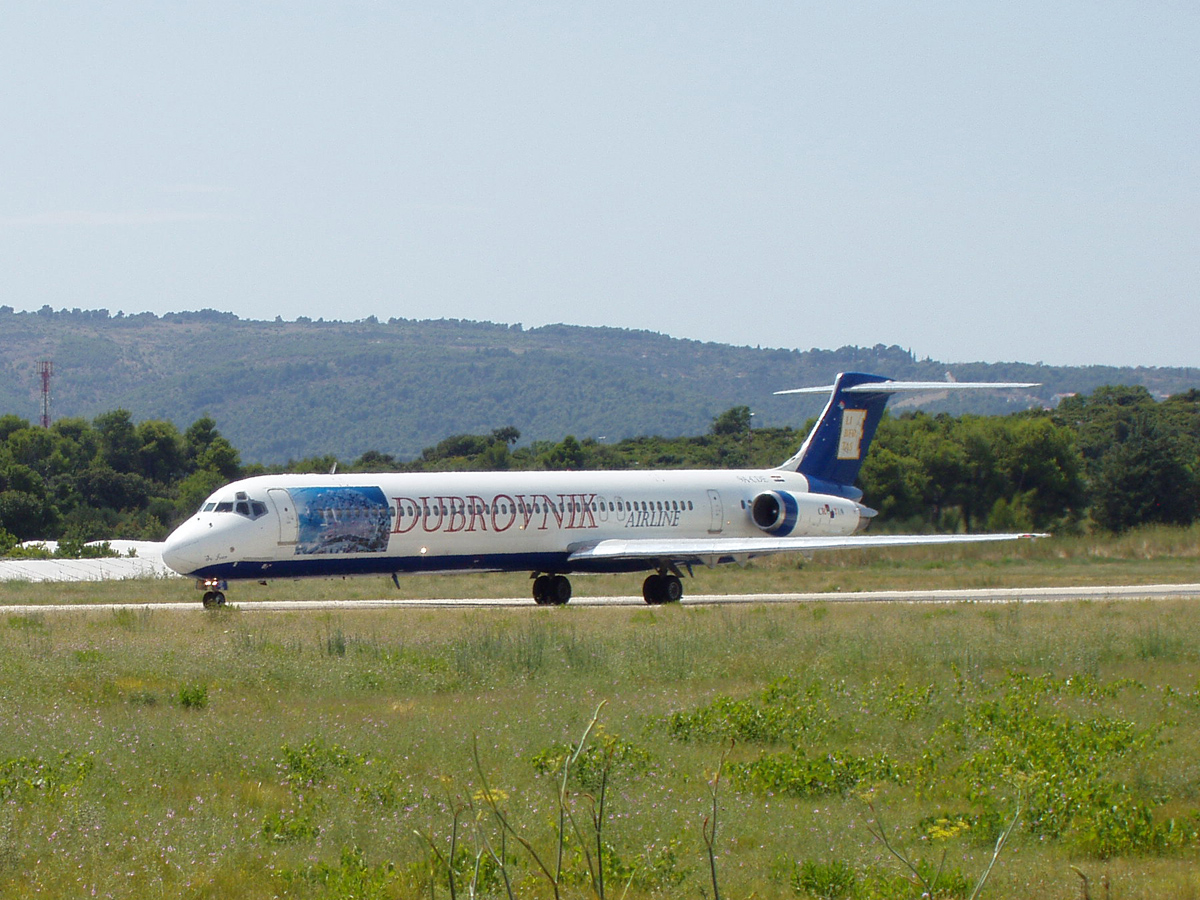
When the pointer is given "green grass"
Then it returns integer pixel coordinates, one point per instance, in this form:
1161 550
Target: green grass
215 754
312 754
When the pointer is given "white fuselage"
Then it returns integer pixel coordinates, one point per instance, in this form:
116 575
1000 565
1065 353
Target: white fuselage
292 525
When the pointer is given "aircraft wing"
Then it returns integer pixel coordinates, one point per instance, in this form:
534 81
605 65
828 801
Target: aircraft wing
703 549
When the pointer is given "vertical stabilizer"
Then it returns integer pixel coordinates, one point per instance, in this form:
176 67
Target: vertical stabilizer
833 452
835 449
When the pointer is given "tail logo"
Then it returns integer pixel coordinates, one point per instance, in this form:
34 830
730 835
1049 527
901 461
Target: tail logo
851 435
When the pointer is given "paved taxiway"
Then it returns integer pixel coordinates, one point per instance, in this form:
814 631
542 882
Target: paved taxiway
981 595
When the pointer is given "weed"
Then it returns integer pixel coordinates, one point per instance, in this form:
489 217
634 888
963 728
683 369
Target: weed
34 622
335 643
192 695
351 877
315 762
795 774
606 756
25 778
133 619
833 880
784 712
290 824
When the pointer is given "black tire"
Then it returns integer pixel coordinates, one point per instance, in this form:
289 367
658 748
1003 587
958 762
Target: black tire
541 590
218 598
208 600
672 589
652 589
560 590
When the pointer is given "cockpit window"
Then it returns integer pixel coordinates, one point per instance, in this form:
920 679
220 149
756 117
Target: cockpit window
251 509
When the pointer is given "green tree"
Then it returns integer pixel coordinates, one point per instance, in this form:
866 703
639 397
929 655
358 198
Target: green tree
221 457
198 438
26 509
119 443
161 454
567 454
1142 480
734 421
508 434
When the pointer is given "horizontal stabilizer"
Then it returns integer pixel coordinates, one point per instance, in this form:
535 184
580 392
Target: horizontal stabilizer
898 387
833 452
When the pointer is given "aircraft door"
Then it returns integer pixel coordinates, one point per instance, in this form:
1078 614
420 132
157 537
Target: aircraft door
285 514
717 511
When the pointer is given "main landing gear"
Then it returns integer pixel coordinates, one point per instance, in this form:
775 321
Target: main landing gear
551 590
662 588
659 588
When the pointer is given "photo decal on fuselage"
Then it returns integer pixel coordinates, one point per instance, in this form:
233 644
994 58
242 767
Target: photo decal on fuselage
341 520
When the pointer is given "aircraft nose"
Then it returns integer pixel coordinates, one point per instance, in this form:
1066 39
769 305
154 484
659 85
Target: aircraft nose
183 550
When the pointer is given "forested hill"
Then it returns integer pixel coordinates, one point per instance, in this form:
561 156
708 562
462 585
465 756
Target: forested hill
287 390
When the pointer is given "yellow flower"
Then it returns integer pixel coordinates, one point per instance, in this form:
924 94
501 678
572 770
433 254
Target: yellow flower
944 828
490 795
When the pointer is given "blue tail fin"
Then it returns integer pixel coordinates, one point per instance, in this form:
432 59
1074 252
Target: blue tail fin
834 450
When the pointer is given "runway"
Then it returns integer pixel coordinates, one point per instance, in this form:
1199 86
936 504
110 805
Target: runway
979 595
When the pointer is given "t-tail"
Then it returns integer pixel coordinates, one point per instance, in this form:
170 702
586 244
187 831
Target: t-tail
834 450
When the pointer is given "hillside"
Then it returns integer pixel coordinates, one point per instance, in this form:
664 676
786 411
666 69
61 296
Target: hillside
286 390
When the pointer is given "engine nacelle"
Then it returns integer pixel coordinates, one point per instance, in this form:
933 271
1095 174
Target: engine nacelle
781 513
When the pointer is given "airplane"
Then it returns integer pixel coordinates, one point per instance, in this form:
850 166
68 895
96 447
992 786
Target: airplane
554 524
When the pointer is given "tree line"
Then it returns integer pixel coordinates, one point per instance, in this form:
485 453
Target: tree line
1111 460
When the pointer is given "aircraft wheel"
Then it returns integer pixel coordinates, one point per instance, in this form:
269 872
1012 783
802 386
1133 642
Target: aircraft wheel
672 589
218 598
541 590
560 590
658 589
652 591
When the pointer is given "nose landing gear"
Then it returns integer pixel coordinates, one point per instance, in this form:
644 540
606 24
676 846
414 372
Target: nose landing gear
214 592
213 599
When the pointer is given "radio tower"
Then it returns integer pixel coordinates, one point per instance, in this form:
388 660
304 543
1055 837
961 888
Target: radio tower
45 369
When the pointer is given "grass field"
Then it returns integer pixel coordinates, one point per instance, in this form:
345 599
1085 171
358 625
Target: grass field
242 753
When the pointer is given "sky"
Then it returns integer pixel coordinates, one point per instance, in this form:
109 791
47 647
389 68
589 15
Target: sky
1014 181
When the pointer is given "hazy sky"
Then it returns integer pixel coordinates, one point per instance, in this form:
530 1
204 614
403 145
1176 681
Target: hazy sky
991 181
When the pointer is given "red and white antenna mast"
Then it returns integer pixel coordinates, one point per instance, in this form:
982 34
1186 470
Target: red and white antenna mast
45 370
